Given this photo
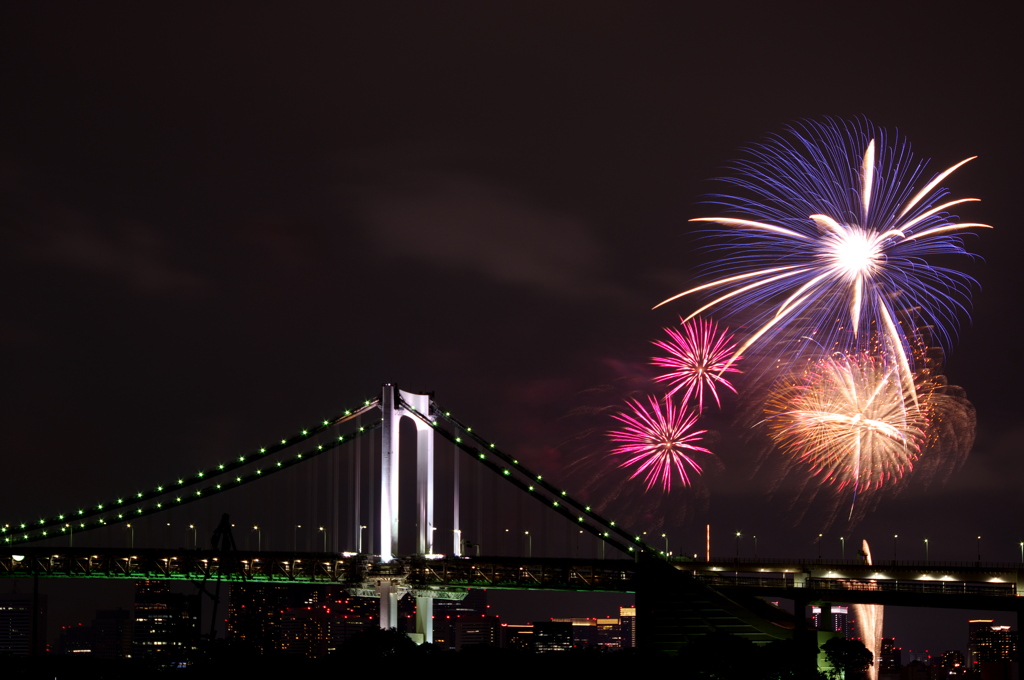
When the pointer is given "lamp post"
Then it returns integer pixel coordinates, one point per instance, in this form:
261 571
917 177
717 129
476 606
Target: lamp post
894 537
580 533
1022 552
71 535
362 528
755 546
259 538
738 545
131 535
295 538
666 543
926 551
195 539
842 547
979 548
325 538
529 544
819 547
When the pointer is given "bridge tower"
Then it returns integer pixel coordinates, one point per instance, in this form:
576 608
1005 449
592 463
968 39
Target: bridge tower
395 404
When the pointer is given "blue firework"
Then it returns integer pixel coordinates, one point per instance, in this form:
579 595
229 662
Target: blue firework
830 231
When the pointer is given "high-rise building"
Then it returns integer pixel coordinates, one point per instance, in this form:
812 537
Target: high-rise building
22 627
448 613
254 615
837 620
627 617
990 643
112 634
166 623
891 657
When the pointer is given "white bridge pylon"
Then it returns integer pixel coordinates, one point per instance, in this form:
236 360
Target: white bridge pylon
395 404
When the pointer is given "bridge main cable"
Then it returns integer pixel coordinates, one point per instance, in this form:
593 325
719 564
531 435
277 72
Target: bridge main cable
25 532
602 528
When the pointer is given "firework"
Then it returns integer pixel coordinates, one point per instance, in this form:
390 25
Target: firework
832 236
851 419
698 356
659 441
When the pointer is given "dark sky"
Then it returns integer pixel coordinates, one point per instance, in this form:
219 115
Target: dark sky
220 224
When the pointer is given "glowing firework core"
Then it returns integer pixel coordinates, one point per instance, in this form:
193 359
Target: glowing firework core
853 253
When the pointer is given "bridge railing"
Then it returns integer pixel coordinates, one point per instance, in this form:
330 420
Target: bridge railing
784 581
825 562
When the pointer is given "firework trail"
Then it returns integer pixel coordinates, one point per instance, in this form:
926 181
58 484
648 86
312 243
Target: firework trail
834 236
698 356
851 419
659 440
869 619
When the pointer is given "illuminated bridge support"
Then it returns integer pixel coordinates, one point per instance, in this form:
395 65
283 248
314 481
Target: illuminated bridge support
395 405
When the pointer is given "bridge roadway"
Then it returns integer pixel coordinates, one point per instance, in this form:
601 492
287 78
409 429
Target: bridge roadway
355 572
954 585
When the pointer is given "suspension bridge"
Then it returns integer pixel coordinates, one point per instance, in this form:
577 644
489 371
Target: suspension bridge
403 554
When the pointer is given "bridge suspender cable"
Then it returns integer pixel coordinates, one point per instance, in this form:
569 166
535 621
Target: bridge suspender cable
559 501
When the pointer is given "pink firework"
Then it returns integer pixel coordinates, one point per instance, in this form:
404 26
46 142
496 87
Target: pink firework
659 441
699 355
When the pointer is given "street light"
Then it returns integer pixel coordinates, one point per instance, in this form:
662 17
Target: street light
325 538
362 527
259 538
894 537
819 547
529 544
666 543
842 546
926 551
737 545
295 538
979 548
71 535
131 534
755 546
1022 552
578 543
195 540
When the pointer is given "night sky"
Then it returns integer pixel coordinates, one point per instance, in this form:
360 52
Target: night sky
221 224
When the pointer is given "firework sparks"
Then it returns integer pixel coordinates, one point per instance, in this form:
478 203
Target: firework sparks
851 419
659 440
833 236
698 356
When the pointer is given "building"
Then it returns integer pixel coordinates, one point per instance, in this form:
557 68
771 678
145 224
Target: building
627 620
22 626
166 623
112 634
890 657
990 643
838 620
552 636
448 613
254 616
517 636
604 633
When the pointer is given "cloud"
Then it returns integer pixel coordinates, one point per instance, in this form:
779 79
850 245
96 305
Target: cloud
132 253
448 220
